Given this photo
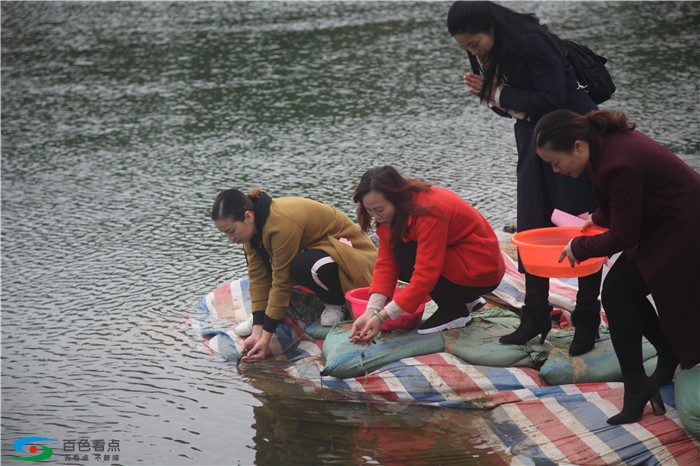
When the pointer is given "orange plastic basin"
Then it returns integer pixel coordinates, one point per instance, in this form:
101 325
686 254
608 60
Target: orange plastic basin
539 250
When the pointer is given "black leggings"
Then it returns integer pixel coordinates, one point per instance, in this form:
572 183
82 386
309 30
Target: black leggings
450 297
631 314
317 271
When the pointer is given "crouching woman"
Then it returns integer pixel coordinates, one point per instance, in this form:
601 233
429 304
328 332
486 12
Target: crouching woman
291 240
430 238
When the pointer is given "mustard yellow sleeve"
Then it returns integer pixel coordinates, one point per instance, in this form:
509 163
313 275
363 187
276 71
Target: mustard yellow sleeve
285 244
260 280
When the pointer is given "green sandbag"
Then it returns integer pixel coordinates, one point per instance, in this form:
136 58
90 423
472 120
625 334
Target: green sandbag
478 343
316 331
598 365
344 359
687 394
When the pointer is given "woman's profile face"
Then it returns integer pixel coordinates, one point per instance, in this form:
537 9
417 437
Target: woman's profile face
479 44
237 231
378 207
571 163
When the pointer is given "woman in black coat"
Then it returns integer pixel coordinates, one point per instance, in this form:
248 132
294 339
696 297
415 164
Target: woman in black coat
520 72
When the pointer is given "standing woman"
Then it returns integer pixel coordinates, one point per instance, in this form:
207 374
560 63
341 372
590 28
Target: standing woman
520 72
288 240
648 198
431 238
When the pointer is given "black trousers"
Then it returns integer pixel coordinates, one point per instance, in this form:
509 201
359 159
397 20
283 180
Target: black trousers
537 292
449 296
539 192
316 270
631 314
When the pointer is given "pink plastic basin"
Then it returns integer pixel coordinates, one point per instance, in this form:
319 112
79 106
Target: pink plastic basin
359 297
539 251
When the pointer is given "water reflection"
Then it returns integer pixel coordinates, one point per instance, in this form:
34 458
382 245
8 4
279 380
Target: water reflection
332 432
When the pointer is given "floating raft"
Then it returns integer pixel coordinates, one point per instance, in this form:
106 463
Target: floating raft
535 422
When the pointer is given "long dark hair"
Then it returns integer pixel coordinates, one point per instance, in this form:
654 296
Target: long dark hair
397 190
233 204
508 28
560 129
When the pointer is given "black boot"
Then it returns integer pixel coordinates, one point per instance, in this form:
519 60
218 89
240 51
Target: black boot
666 360
586 321
533 322
666 365
639 390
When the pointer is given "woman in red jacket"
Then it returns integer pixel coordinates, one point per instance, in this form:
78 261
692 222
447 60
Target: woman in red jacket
431 238
648 198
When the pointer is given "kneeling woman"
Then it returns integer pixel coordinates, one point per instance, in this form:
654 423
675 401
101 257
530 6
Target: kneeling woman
431 238
288 240
649 198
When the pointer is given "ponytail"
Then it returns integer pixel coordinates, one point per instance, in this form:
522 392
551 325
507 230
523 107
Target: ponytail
254 194
559 130
610 122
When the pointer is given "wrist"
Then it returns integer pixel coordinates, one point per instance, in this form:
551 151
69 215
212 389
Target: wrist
258 317
496 97
379 316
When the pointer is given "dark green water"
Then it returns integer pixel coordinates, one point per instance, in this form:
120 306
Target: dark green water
120 123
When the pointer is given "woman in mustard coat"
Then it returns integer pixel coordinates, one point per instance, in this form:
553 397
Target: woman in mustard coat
292 240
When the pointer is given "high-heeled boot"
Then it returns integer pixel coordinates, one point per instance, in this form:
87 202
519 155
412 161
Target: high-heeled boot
639 390
666 360
586 322
666 364
533 322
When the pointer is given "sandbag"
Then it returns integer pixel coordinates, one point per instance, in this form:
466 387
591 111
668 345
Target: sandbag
687 394
344 359
598 365
478 343
316 331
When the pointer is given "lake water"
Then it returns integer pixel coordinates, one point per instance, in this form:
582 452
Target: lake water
122 120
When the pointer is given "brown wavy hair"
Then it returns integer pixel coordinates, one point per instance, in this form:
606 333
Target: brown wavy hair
396 189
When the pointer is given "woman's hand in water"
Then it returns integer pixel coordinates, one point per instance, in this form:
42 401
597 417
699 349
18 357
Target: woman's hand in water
257 345
366 327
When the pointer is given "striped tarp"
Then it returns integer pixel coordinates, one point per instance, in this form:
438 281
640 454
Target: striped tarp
538 424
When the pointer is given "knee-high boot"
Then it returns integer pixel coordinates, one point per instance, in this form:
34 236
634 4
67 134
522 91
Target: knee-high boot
586 316
586 322
533 322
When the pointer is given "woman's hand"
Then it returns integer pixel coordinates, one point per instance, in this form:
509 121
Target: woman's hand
567 253
366 327
589 223
474 82
257 345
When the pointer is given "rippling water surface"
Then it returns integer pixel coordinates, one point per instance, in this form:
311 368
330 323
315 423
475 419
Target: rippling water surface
122 120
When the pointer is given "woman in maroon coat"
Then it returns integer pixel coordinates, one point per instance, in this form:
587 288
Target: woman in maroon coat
649 199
